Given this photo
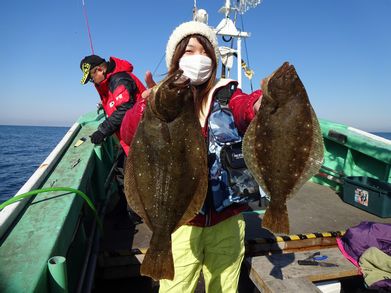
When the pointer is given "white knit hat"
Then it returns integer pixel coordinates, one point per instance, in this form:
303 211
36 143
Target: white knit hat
186 29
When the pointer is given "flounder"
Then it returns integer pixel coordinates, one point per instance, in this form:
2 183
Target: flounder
283 145
166 174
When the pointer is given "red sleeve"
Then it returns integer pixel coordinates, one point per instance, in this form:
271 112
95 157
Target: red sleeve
131 120
241 105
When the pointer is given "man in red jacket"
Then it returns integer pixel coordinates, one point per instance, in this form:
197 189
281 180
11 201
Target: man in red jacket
120 93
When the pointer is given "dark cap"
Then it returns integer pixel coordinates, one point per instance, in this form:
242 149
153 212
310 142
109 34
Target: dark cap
87 63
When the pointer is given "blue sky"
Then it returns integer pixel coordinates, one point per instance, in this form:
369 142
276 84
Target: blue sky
341 50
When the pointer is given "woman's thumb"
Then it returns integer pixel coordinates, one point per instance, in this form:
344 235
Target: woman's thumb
149 80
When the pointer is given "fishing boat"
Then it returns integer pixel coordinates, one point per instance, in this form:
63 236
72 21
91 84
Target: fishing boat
68 228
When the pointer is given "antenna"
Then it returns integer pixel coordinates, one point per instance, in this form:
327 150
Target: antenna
194 8
226 9
245 5
241 6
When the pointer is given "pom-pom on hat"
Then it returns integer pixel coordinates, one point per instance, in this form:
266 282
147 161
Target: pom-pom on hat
186 29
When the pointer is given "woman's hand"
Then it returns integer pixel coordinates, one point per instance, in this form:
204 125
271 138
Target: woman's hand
150 84
257 104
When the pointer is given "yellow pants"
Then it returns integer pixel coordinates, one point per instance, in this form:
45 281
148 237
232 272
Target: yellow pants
217 250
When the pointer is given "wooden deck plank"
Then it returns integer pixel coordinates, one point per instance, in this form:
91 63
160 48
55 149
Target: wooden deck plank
290 286
264 270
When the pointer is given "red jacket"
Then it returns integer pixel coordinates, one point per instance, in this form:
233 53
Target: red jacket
120 93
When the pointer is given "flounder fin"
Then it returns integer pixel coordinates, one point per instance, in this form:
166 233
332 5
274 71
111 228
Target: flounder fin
250 156
132 196
201 189
315 158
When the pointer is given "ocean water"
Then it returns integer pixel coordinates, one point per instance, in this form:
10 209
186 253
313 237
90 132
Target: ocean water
24 148
383 134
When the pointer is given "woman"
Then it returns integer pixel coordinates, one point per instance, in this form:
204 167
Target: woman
214 240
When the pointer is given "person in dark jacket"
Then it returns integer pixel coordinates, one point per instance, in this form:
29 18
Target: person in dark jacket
120 93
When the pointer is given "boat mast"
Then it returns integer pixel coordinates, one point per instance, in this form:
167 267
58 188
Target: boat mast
227 28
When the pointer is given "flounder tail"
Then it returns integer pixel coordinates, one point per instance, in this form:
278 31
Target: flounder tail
276 218
158 262
158 265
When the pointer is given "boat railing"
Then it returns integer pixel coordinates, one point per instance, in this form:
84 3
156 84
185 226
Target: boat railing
11 212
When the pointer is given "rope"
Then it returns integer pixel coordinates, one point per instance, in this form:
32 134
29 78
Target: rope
245 46
88 26
158 65
37 191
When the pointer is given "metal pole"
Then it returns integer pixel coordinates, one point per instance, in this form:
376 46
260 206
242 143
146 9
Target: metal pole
239 61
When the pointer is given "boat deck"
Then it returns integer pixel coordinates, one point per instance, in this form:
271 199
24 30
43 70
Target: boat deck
314 208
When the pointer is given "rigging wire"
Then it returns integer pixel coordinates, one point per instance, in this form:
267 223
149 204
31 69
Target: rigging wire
248 58
88 26
158 65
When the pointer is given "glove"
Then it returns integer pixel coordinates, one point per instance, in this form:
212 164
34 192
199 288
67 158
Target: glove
97 137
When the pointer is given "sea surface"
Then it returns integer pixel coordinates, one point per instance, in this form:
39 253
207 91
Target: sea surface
24 148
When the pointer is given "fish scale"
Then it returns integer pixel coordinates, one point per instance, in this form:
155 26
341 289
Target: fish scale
283 146
169 151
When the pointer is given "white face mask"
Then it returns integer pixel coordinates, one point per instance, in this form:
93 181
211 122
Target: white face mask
196 67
